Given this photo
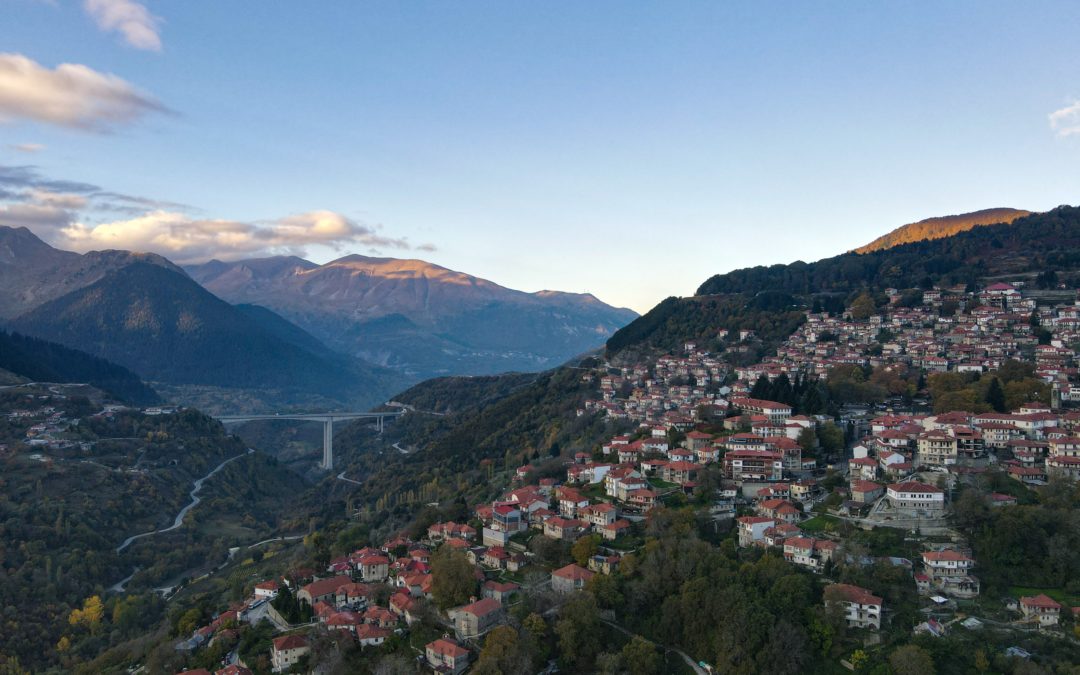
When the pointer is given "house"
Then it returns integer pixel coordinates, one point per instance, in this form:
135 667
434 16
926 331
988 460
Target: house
865 491
506 521
443 531
370 635
776 412
1028 475
373 567
752 529
266 589
352 594
779 509
445 656
570 578
501 591
343 620
642 500
476 619
570 500
598 515
1040 609
863 468
861 608
287 650
1063 466
615 530
742 465
564 529
949 572
604 564
323 589
809 552
937 447
916 498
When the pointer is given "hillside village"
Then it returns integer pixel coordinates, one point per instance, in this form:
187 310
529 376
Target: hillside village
812 487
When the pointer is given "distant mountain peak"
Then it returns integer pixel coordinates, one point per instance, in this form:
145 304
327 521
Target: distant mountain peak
942 226
419 317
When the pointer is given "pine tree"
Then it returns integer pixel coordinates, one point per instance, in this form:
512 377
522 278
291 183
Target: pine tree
995 395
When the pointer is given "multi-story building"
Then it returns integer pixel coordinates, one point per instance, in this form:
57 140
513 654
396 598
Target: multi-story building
916 498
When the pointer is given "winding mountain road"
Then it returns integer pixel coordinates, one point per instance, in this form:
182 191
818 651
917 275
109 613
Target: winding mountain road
195 499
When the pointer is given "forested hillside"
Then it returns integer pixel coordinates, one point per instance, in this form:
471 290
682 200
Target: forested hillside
44 361
62 519
942 226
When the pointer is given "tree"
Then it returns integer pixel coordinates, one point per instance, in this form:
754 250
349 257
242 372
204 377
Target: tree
503 654
859 659
995 396
189 621
911 660
89 616
585 548
536 637
640 657
831 437
579 632
808 441
863 307
453 579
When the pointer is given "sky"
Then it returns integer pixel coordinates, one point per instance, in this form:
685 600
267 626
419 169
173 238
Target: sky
630 150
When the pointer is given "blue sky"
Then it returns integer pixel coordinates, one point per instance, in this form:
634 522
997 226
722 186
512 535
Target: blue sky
628 150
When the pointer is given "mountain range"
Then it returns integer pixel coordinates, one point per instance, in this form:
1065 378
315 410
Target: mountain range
418 318
348 333
144 313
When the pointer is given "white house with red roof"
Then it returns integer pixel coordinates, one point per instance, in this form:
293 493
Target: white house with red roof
916 498
287 650
446 657
1041 609
949 571
752 529
571 578
862 609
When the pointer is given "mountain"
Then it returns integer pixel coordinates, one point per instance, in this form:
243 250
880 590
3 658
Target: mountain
1041 248
32 272
146 314
44 361
416 317
942 226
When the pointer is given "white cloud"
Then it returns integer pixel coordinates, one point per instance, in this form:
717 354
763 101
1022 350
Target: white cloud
28 147
131 19
71 95
1066 122
186 240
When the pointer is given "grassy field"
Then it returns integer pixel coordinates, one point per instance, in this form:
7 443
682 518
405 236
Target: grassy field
820 524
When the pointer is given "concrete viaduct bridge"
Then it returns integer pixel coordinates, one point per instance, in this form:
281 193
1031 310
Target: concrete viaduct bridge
327 420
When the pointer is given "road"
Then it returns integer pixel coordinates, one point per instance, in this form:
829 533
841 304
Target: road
195 499
341 476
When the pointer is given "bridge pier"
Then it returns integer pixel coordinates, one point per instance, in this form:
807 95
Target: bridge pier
328 444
